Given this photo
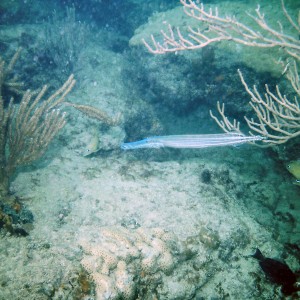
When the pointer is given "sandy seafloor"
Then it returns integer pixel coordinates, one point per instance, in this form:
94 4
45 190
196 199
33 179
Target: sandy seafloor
247 203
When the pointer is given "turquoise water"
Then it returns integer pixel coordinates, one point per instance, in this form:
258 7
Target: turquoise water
84 219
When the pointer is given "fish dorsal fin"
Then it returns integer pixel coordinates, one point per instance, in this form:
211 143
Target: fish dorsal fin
258 255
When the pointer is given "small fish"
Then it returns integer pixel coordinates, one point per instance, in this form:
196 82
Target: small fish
94 144
294 168
277 272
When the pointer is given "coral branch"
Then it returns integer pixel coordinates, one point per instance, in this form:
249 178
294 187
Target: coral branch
277 117
95 113
26 129
224 29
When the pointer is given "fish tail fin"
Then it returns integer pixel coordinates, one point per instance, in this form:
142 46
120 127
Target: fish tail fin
258 255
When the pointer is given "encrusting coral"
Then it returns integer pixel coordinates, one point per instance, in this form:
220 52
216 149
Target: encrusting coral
123 262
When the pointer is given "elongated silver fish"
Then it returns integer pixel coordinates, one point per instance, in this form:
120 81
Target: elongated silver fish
192 141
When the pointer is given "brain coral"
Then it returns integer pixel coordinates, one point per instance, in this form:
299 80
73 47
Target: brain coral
123 262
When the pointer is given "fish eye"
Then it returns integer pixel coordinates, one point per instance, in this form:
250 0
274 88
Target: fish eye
288 166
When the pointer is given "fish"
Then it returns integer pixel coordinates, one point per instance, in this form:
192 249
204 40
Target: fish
294 168
278 272
94 144
192 141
